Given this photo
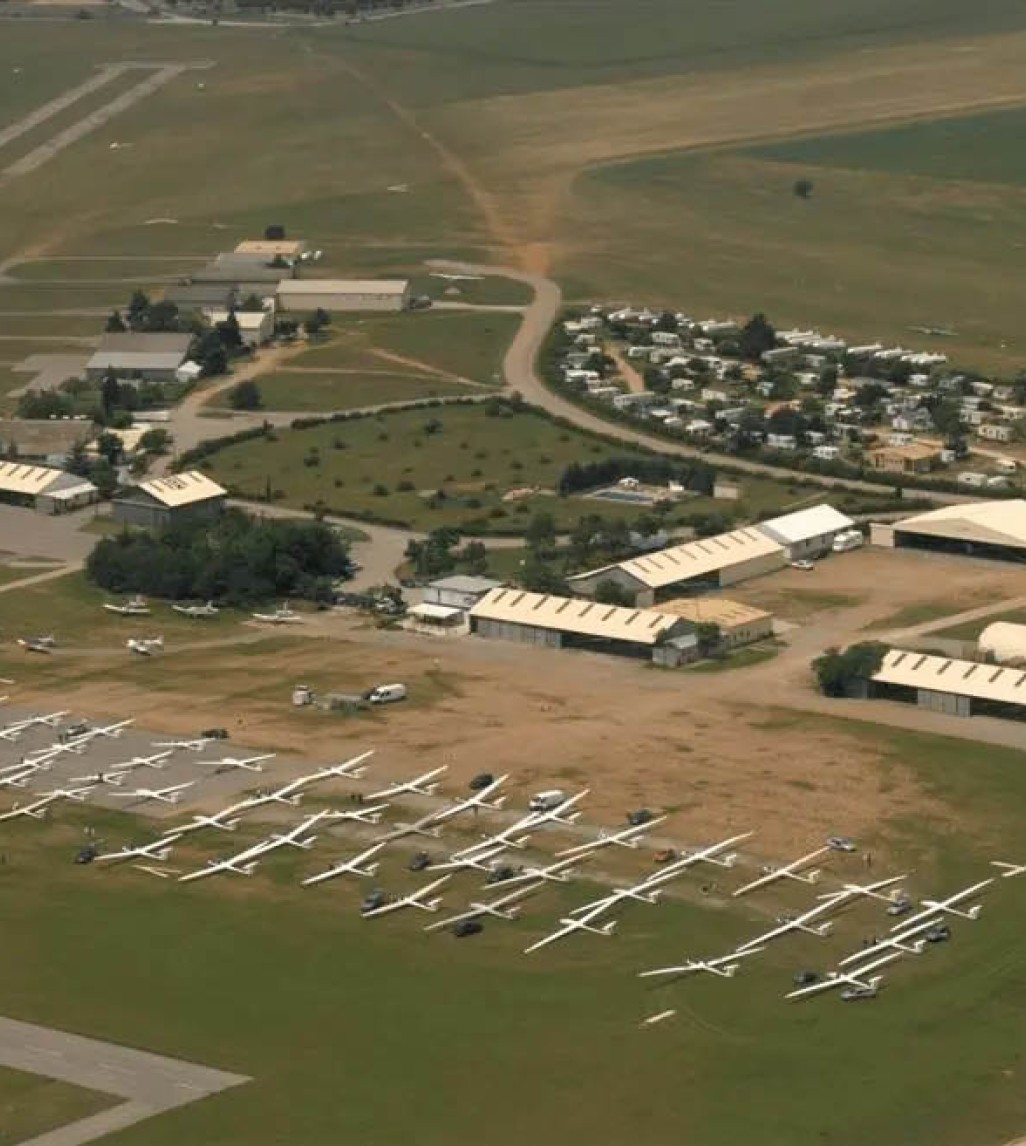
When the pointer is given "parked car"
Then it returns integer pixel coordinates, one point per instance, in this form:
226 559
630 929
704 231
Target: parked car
805 978
481 780
841 844
666 855
419 861
639 816
804 566
467 927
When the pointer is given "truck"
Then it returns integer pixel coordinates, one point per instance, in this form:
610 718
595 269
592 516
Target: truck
387 694
848 539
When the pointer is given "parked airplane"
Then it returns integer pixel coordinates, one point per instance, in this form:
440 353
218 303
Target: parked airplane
725 965
455 278
771 873
1009 869
421 899
197 611
627 838
145 646
157 760
479 861
552 873
115 778
37 644
561 813
246 763
859 986
356 866
568 926
160 850
902 941
296 837
420 785
134 607
245 862
638 893
20 776
14 730
476 800
948 906
872 892
283 615
170 795
195 745
38 809
804 922
497 908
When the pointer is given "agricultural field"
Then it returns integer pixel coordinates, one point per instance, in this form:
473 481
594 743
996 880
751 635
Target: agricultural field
475 458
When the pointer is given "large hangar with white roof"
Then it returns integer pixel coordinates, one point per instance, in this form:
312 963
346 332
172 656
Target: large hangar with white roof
694 567
951 687
994 529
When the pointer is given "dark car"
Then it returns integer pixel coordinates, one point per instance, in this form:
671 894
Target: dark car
87 854
214 734
377 898
502 873
419 861
481 780
639 816
467 927
939 934
805 978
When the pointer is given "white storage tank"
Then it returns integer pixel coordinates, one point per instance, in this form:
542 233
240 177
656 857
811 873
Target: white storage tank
1004 642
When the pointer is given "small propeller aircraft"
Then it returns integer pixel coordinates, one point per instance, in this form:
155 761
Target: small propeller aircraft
134 607
145 646
283 615
197 611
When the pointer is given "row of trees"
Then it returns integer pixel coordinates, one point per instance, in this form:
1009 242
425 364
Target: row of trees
232 558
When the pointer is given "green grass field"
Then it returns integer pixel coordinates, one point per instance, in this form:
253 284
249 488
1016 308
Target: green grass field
970 630
325 393
474 457
291 987
31 1104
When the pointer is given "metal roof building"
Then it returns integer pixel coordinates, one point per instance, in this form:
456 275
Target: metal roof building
47 490
807 532
459 591
952 687
739 624
995 529
159 501
695 566
152 357
343 294
1004 642
568 622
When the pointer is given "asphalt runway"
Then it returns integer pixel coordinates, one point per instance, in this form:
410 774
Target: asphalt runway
149 1083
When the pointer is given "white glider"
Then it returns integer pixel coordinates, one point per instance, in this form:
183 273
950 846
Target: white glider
159 850
171 795
419 785
725 965
38 809
497 907
856 979
420 899
948 906
626 838
1009 869
358 865
794 870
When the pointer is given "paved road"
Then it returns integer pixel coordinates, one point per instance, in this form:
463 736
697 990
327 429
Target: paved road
150 1083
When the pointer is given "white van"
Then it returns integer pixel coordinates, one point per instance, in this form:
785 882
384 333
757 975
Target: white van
546 801
387 693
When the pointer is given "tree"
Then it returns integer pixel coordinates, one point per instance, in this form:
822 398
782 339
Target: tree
138 305
316 322
538 577
230 332
826 384
245 395
474 558
110 394
210 353
274 233
252 304
757 336
109 446
803 188
103 475
155 441
161 318
610 592
115 323
840 674
540 534
947 417
709 636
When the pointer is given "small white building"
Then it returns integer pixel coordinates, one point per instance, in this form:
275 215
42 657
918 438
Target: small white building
255 326
459 591
807 532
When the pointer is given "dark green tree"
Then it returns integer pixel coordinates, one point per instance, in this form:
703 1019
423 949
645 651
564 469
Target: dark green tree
841 673
756 337
115 323
610 592
245 395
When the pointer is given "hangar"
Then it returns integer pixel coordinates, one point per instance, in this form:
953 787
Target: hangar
160 501
951 687
807 532
568 622
343 294
694 567
994 529
45 489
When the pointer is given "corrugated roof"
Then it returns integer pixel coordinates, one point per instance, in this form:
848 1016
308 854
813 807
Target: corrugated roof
695 558
145 343
344 286
16 477
573 615
182 489
805 524
285 247
961 678
112 360
463 583
994 522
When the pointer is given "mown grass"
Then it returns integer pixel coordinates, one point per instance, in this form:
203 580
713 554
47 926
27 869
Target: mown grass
31 1104
326 393
970 630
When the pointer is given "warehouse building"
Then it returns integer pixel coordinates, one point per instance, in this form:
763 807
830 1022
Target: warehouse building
189 297
738 624
951 687
139 357
694 567
807 532
343 294
44 489
156 503
459 591
994 529
569 623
